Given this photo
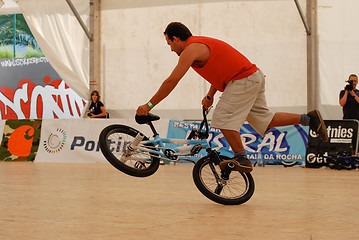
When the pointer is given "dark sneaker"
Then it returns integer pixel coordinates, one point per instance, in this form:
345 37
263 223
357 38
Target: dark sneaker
241 164
317 125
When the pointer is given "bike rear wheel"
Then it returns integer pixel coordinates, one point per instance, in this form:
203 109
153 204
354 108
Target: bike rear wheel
238 189
113 142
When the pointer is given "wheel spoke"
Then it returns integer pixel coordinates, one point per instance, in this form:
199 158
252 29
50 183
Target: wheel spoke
114 141
118 143
236 190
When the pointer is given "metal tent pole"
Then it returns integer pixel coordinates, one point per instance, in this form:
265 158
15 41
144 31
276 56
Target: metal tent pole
94 36
307 28
79 19
310 24
95 46
312 57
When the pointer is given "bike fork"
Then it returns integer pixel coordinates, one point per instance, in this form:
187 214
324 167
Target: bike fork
136 141
227 170
229 167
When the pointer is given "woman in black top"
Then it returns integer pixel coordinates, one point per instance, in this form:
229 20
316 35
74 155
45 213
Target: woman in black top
96 109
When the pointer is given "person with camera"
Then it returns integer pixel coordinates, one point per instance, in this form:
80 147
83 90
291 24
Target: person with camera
96 109
349 99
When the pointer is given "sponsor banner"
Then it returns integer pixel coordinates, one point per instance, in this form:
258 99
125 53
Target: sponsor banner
279 144
20 140
31 89
343 137
14 70
76 140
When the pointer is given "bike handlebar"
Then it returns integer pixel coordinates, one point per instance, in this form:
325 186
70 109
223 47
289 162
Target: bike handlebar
198 133
147 119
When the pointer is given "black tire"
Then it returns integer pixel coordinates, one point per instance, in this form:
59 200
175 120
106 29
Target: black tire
113 142
288 164
207 176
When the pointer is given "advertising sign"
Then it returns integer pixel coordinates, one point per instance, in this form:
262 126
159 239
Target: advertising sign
76 140
20 140
279 144
343 137
71 141
31 89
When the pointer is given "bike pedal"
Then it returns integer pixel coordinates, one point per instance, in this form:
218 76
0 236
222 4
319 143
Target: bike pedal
227 171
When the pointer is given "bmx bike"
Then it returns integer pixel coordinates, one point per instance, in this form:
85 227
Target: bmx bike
131 152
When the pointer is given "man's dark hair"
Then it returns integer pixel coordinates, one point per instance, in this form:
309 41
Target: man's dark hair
177 29
353 75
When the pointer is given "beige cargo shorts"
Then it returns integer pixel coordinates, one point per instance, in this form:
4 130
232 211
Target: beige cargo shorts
243 100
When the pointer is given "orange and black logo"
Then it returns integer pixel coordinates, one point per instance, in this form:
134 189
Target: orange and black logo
20 140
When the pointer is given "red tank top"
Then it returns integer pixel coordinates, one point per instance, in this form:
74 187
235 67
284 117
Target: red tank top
224 64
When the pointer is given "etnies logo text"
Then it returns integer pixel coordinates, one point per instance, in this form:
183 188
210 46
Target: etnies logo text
336 132
340 132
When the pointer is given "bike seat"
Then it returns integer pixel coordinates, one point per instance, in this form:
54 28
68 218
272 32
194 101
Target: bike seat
144 119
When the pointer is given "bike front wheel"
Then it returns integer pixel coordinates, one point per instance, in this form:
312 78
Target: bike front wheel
115 139
238 189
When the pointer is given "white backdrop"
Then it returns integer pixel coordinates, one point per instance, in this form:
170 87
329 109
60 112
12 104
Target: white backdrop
338 50
136 58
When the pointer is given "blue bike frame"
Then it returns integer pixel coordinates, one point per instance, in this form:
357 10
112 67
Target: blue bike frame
177 151
189 147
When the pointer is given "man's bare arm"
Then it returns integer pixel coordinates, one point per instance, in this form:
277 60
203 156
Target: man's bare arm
188 56
171 82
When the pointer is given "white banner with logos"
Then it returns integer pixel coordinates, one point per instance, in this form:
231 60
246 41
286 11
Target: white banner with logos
76 140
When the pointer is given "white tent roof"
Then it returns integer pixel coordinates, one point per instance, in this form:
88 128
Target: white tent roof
9 7
131 41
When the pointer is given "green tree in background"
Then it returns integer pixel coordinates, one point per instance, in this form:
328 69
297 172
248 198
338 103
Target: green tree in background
23 36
